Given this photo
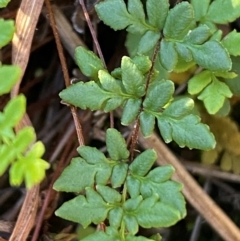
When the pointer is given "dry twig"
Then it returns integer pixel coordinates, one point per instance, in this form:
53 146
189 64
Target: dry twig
26 22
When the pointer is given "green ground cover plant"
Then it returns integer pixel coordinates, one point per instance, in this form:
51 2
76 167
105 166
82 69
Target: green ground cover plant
17 149
123 188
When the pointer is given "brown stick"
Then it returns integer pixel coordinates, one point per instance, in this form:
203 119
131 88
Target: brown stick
26 218
65 70
69 38
210 171
193 192
93 33
26 22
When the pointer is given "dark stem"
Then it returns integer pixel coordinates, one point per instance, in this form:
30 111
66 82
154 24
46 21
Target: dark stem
93 33
134 138
99 51
150 73
78 125
137 124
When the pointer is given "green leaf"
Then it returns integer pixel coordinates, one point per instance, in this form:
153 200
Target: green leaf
5 130
88 62
211 55
152 213
76 95
138 27
199 81
130 111
66 182
147 123
132 204
130 237
115 217
156 237
6 157
157 12
170 194
161 174
198 35
143 63
217 35
7 30
225 109
214 95
179 108
157 182
28 169
113 103
132 78
4 3
132 43
184 52
114 14
109 194
148 42
98 161
143 163
13 112
231 41
119 175
108 82
23 139
116 145
92 209
226 75
135 8
221 11
131 224
153 100
100 236
200 8
95 169
9 75
168 55
133 186
183 66
183 12
138 23
111 234
234 84
37 150
116 73
91 155
112 231
187 131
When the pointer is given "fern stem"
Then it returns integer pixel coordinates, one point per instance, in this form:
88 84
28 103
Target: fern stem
150 73
134 138
137 125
